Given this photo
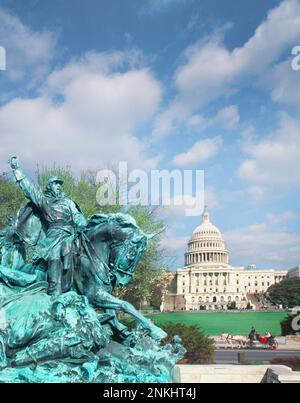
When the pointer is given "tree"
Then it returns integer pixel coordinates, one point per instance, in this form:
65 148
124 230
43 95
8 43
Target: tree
150 272
232 306
11 200
286 293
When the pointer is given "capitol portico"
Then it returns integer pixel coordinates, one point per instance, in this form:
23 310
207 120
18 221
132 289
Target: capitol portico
208 281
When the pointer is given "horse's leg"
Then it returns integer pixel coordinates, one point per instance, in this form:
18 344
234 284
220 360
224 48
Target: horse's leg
108 302
114 321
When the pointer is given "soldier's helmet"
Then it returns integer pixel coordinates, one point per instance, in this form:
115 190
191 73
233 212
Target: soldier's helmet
54 179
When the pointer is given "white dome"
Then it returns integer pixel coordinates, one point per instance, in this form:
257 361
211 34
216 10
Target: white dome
206 229
206 246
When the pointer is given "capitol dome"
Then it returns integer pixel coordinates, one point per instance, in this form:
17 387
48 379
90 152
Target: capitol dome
206 246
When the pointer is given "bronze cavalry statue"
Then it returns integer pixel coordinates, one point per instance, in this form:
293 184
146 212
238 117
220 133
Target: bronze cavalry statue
60 303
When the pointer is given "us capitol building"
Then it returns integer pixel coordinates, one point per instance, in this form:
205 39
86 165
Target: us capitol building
209 282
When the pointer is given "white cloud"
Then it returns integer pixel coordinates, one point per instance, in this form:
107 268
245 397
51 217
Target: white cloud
212 71
200 152
173 243
28 52
155 6
227 118
212 66
94 63
274 162
263 245
94 121
179 205
258 193
282 218
284 83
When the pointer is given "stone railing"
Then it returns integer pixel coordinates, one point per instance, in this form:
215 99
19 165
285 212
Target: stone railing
234 374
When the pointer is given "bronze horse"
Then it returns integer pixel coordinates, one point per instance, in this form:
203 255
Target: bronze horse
109 251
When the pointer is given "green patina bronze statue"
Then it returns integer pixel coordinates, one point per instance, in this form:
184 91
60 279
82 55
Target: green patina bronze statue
47 303
62 219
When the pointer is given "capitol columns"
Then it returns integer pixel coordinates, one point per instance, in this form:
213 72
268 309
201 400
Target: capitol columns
190 281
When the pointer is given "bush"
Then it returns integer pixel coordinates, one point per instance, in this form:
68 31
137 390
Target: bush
291 362
200 348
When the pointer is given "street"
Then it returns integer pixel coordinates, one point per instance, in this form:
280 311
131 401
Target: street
231 356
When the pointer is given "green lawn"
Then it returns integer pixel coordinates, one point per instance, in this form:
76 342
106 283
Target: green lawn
214 323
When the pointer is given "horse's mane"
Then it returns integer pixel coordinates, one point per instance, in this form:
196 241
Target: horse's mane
123 220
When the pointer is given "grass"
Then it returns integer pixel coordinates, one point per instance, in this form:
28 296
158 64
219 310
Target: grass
214 323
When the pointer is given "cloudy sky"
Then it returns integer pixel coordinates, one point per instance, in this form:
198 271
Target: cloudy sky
166 84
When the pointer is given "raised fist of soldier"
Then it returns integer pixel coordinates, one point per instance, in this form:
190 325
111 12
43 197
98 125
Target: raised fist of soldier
14 163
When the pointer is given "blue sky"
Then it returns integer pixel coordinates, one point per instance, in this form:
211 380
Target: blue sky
166 84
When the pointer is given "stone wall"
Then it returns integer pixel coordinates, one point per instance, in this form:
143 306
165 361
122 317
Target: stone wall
234 374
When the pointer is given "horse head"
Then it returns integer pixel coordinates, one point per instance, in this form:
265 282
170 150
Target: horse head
126 251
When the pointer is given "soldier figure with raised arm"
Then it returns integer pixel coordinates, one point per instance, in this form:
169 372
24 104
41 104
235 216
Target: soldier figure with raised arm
62 219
